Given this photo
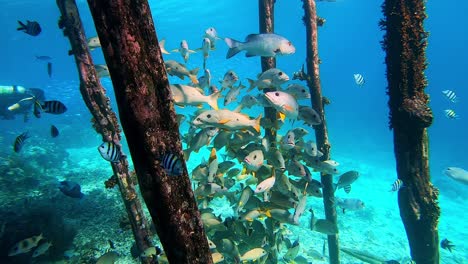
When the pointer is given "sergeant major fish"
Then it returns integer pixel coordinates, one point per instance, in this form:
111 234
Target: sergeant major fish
450 95
19 141
110 151
265 45
31 28
172 164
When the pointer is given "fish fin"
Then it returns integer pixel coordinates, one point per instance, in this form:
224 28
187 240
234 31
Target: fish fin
234 47
161 47
191 51
224 121
268 213
257 123
212 155
194 72
249 54
213 100
281 116
251 83
193 78
22 26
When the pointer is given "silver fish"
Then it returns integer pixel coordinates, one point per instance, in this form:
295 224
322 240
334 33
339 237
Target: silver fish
265 45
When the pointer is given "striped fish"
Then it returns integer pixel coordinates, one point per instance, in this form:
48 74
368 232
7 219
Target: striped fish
450 95
449 113
359 79
172 164
110 151
19 141
397 185
54 107
31 27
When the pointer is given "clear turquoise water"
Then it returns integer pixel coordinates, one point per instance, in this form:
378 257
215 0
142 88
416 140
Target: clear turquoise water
357 118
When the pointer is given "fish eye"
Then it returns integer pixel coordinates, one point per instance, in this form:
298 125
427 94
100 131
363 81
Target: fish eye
198 119
280 73
303 90
277 94
211 29
208 116
255 157
231 73
289 43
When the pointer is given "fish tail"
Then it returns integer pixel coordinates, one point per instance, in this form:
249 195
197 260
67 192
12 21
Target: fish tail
213 101
21 26
257 123
162 48
234 47
251 83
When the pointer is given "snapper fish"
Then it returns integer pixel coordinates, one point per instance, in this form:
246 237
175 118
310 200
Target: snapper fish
25 245
265 45
110 151
450 114
229 79
309 116
172 164
284 103
187 95
184 50
359 79
253 254
265 185
102 70
231 96
175 68
227 119
93 43
206 47
254 160
450 95
212 35
271 78
298 91
457 174
31 28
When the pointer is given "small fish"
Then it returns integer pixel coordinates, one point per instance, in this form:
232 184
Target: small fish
172 164
188 95
271 78
206 47
450 114
231 96
253 254
450 95
25 245
108 258
345 180
54 107
265 45
213 165
265 185
254 160
217 257
19 141
227 119
49 69
212 35
309 116
349 204
359 79
397 185
31 28
447 245
230 77
43 58
205 80
41 249
457 174
110 151
102 70
71 189
184 50
54 132
298 91
94 43
175 68
162 44
284 103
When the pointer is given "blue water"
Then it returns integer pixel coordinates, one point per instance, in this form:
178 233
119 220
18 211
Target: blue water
349 43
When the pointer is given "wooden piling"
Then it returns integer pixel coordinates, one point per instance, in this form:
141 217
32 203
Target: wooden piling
321 134
266 21
130 46
405 43
104 119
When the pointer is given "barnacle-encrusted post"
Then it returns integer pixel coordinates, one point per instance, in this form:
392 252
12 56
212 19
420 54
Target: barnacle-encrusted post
405 42
321 134
266 22
105 120
130 46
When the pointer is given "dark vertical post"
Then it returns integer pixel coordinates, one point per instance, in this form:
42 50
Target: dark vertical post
104 119
321 134
131 50
266 22
405 43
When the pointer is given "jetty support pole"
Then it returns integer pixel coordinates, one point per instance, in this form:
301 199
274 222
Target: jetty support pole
405 42
321 134
266 22
130 46
104 119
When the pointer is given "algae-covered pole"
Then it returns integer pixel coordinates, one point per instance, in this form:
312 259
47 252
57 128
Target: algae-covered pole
104 119
321 134
405 43
130 46
266 23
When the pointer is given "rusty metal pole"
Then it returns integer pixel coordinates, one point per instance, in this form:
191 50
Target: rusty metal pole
321 134
104 119
405 43
266 22
130 46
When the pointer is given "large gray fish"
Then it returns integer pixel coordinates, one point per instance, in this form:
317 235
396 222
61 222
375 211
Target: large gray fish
309 115
271 78
457 174
346 179
265 45
174 68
